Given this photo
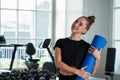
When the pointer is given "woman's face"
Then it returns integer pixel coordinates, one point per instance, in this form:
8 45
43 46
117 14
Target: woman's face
79 26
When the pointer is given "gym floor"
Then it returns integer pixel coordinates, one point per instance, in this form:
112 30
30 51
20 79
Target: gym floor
94 78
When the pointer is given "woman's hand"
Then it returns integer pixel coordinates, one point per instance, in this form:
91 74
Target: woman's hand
82 73
95 52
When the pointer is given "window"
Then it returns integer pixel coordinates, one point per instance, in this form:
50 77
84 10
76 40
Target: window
26 23
60 19
22 24
116 36
32 23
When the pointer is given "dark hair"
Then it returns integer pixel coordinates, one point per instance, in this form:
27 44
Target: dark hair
90 20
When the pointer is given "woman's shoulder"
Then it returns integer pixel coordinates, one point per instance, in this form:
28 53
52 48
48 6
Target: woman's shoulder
62 39
59 42
85 42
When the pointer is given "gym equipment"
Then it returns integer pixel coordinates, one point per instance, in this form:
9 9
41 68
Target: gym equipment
2 39
50 66
98 42
31 63
110 62
32 74
15 46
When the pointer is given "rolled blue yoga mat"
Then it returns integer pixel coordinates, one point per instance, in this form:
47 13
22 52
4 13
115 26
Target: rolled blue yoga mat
98 42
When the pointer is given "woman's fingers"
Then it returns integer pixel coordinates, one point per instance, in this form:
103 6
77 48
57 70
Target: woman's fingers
85 74
91 49
101 50
84 67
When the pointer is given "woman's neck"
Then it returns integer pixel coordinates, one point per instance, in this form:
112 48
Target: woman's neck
75 37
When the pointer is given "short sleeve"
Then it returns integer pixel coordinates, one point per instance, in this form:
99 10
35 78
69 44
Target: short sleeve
58 44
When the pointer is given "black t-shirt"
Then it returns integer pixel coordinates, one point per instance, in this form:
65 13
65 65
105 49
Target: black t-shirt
72 52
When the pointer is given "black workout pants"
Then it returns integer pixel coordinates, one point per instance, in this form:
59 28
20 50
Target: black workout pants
64 77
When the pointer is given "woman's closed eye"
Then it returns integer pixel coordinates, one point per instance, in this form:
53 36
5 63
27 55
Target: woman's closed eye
81 24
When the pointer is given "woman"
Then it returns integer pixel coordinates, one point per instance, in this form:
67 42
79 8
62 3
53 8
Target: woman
70 52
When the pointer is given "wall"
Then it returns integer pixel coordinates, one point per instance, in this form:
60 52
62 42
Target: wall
74 9
101 9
